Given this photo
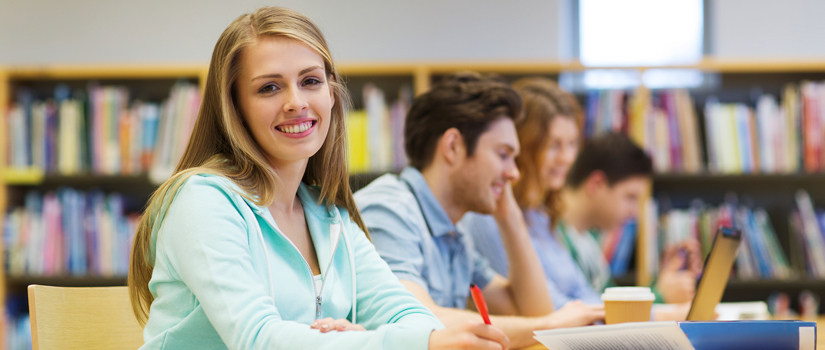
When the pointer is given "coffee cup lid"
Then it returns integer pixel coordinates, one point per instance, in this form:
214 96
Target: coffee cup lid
628 294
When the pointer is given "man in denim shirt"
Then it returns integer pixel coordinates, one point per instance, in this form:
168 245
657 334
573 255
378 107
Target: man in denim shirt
461 142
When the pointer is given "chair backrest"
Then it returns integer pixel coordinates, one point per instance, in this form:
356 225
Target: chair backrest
83 318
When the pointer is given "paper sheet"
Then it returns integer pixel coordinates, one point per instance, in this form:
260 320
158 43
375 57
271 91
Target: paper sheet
625 336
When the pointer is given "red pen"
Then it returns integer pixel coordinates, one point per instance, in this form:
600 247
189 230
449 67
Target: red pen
481 305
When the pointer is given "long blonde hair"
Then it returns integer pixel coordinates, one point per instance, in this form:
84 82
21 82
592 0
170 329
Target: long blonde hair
544 101
221 144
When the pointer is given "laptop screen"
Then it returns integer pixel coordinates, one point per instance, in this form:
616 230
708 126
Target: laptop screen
715 274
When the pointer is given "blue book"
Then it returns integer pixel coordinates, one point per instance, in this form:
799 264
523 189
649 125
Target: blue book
591 113
25 99
718 335
758 246
751 335
743 129
624 249
150 117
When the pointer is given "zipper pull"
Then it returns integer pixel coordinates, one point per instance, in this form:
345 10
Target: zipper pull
318 307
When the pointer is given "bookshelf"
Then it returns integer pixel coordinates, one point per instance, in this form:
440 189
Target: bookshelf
739 78
739 81
151 84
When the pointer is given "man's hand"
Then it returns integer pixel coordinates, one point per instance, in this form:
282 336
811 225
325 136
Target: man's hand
507 208
681 265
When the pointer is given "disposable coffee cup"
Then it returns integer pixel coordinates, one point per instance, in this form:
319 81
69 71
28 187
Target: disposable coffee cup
627 304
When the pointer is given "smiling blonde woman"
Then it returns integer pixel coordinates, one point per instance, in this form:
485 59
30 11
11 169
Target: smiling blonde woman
255 242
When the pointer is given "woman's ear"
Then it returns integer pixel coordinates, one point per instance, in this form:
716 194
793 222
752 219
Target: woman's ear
330 81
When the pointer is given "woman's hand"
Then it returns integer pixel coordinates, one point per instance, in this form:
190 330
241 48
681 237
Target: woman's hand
329 324
575 314
671 312
471 335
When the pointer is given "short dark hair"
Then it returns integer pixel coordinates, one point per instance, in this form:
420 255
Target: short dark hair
615 155
469 102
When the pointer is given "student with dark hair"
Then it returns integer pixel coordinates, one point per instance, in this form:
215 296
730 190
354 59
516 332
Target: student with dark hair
461 140
603 190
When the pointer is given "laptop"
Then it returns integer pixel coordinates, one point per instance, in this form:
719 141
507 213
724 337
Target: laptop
715 275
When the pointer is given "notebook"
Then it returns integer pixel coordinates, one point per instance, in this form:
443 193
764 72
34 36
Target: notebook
715 275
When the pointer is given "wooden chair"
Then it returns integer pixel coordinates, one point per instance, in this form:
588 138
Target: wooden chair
83 318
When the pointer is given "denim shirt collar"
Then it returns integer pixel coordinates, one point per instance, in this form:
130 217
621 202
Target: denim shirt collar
437 220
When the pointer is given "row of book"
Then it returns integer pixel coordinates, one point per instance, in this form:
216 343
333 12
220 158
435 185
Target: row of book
376 133
664 123
807 227
760 254
69 232
103 131
784 136
100 131
772 138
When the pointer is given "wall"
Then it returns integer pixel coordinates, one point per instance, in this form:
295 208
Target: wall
184 31
767 29
164 31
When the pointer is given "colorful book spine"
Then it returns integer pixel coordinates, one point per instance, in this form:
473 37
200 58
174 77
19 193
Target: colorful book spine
812 235
113 136
358 149
767 137
68 232
664 123
375 134
759 256
176 120
17 324
623 253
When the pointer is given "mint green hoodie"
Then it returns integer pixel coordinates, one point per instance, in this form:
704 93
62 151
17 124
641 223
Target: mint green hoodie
225 277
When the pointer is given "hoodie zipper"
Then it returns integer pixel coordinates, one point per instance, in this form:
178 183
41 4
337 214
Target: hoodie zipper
317 291
326 271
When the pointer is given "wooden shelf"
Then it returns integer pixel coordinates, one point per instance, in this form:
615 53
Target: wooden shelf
141 71
136 189
107 71
14 282
538 67
38 178
798 283
754 177
30 176
17 285
767 190
357 181
761 66
750 290
377 68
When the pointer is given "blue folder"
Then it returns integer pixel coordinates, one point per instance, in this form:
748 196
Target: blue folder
751 335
